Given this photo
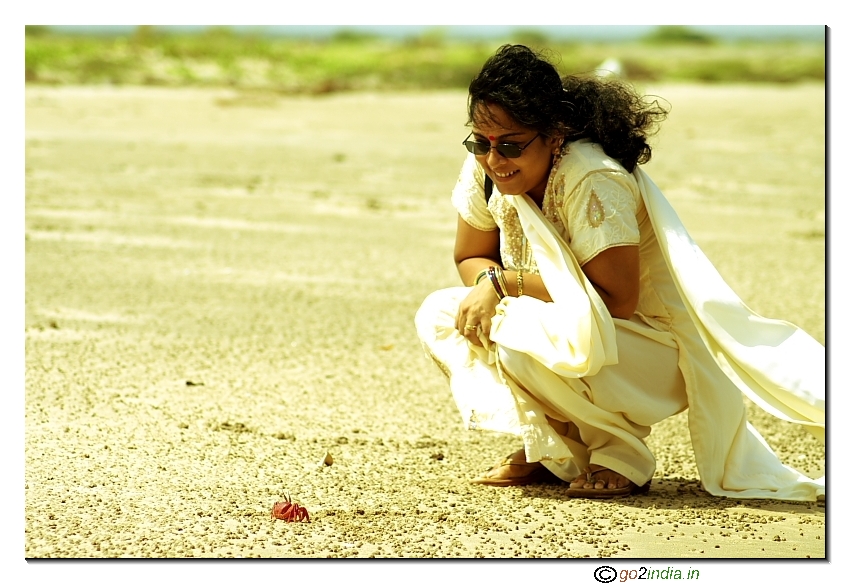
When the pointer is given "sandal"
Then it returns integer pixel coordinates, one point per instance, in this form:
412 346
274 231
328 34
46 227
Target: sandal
538 474
582 492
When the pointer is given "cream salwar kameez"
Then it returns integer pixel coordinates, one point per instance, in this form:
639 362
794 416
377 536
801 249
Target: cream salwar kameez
691 344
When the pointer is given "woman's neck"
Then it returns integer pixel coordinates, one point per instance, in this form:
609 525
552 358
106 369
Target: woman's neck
538 193
537 198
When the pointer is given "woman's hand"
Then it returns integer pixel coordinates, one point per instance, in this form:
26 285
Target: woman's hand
476 311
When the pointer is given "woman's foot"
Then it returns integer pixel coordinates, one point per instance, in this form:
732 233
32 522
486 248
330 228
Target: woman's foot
600 482
599 478
514 471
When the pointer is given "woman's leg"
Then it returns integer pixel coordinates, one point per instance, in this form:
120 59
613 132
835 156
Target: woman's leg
484 401
612 411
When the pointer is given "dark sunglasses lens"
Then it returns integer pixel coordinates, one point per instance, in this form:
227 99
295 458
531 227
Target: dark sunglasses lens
509 150
477 148
483 148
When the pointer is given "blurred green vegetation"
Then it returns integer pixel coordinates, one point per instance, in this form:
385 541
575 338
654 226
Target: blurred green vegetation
355 61
677 35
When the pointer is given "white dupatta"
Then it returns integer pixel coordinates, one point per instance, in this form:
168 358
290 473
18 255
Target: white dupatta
774 363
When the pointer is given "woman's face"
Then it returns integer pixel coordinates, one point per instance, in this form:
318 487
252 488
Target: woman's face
526 174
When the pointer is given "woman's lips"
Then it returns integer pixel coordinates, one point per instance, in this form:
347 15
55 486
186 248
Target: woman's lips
504 176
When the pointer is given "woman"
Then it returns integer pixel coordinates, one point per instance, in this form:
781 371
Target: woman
588 313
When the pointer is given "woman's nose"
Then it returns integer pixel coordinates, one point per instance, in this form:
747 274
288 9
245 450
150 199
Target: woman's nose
494 158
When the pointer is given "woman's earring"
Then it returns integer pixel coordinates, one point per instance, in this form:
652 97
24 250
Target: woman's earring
556 151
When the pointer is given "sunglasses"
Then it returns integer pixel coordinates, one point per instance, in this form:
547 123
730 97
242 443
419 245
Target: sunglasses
506 150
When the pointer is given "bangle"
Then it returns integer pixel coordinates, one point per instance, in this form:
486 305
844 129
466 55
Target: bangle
502 281
494 279
519 283
481 275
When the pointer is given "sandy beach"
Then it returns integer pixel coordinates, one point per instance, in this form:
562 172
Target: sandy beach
220 290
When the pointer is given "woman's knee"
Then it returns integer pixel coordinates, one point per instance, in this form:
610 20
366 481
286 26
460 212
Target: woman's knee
437 313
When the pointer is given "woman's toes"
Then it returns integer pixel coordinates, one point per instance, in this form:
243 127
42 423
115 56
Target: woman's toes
607 479
618 481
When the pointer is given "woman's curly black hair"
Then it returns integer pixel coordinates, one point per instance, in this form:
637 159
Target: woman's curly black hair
529 88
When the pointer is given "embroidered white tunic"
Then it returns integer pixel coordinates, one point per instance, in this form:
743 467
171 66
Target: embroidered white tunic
692 342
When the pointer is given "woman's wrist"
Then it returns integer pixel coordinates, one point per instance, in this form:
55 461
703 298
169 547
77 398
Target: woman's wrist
474 269
497 280
514 282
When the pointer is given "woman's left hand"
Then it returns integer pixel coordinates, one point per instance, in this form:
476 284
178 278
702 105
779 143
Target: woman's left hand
476 311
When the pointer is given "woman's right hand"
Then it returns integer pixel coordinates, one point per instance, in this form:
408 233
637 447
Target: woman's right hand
476 311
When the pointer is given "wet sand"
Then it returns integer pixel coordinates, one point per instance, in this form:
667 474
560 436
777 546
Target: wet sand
220 289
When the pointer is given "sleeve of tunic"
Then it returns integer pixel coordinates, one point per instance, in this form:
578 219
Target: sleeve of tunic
601 212
468 196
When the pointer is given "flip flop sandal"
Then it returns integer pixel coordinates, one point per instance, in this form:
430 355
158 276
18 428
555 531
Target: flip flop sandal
539 474
582 492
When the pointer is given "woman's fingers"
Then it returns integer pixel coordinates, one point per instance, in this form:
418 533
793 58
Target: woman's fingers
474 313
460 318
470 332
485 326
475 333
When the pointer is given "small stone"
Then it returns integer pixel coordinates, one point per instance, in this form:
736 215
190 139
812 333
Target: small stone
328 460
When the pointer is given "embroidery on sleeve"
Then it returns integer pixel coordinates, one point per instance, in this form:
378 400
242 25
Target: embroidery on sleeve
595 210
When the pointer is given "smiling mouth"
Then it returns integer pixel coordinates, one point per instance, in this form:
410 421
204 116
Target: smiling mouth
505 174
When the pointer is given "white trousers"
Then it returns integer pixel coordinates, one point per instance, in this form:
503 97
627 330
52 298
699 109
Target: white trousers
610 413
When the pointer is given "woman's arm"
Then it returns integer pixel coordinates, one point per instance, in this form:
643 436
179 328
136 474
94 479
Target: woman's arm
475 251
615 273
601 212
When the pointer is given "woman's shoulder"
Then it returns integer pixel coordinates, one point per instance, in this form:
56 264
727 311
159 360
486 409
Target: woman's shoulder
468 196
584 157
585 162
584 166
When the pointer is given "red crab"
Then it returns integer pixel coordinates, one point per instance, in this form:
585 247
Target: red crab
290 511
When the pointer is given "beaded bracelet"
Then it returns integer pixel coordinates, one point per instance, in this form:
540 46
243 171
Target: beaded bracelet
494 279
481 275
519 283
